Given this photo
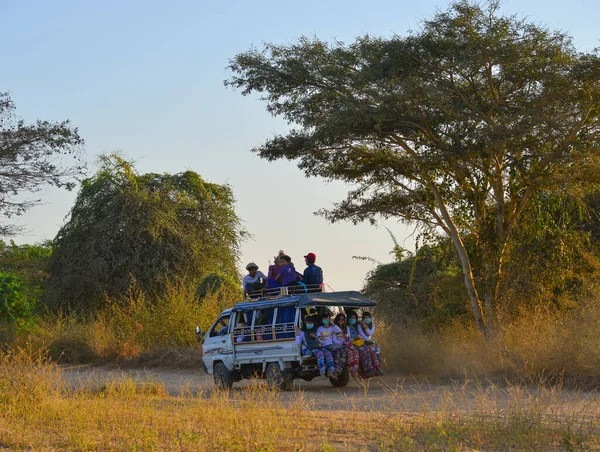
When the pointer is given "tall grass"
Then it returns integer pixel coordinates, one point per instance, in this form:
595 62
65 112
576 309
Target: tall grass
28 381
541 344
128 326
126 414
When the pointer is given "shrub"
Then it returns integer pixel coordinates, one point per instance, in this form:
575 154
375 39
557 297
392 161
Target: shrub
64 338
136 323
16 307
127 226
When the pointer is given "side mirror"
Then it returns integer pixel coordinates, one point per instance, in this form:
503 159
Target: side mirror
198 331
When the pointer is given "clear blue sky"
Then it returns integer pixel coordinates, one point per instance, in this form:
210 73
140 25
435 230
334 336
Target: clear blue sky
146 78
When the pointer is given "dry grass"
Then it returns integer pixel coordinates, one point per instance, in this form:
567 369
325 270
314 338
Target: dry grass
456 351
555 347
127 327
38 411
542 345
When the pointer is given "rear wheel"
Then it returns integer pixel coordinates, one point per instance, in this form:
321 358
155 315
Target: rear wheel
223 376
342 379
277 379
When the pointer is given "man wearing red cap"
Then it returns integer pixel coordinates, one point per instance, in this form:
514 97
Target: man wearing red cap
313 275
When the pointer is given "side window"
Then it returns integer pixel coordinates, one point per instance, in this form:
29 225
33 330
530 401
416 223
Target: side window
284 323
263 321
242 329
221 328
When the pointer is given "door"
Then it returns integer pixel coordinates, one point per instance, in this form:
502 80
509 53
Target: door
217 344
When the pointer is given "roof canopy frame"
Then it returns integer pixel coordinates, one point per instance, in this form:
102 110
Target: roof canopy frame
346 299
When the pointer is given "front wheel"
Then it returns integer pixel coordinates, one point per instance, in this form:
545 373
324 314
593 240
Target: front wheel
276 378
223 376
342 379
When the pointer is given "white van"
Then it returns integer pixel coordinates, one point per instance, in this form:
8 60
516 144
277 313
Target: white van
257 339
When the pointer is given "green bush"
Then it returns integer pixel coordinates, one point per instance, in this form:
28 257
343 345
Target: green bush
145 228
16 307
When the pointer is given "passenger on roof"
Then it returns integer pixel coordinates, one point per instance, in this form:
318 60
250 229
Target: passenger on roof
313 274
274 270
274 267
287 272
254 281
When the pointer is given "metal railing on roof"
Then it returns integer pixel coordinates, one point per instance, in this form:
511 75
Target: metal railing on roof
277 292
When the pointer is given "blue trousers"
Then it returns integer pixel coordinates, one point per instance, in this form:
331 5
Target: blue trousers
323 355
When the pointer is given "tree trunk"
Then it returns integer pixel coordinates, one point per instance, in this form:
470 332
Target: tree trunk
490 302
464 261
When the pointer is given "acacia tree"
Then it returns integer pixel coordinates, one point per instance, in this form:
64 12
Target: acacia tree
31 156
151 228
457 126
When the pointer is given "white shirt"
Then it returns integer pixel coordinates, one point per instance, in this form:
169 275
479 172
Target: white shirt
367 333
325 335
249 279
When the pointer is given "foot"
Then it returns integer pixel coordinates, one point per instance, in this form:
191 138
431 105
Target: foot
332 375
371 373
354 374
380 372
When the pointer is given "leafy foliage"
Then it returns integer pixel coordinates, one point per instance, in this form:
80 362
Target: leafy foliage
457 127
29 262
16 308
426 287
23 272
31 156
217 282
554 254
149 228
552 264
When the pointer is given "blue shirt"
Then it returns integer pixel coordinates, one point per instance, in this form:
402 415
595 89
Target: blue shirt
313 275
287 275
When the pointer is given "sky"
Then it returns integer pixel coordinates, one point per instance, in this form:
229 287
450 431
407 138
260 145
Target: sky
145 79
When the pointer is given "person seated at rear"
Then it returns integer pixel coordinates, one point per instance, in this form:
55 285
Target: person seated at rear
313 274
287 273
308 339
255 281
366 329
326 334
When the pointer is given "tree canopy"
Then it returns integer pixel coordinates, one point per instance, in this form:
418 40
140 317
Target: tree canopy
32 156
153 228
457 126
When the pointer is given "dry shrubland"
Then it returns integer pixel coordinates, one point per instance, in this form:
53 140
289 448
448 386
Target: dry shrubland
537 345
127 326
493 401
39 410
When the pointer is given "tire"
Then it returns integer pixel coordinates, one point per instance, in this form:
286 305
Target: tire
308 378
277 379
223 376
342 379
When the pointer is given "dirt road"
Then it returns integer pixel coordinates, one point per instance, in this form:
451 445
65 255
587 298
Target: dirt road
388 393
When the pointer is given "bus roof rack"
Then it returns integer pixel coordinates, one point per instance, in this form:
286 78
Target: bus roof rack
347 299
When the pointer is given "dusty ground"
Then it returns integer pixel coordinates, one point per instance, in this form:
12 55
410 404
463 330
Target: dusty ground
388 393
